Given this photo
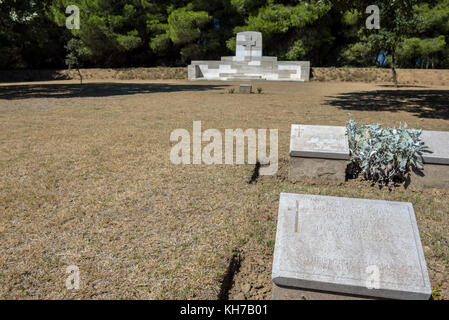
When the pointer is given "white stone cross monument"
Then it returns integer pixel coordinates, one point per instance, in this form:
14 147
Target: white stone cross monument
249 64
248 46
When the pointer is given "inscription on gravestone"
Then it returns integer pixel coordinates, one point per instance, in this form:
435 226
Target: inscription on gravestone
329 243
318 152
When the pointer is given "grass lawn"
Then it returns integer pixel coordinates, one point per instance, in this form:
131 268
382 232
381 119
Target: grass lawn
86 180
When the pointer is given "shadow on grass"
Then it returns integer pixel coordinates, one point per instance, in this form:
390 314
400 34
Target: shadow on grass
31 75
28 91
432 104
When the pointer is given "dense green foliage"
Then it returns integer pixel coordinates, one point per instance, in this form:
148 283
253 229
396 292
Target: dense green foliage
29 37
384 155
128 33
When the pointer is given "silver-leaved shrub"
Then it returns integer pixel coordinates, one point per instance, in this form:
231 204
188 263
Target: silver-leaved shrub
384 155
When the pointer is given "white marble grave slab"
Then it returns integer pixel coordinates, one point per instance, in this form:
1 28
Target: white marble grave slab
438 143
349 246
324 142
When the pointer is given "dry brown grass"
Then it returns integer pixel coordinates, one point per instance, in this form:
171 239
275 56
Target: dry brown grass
436 77
86 180
381 75
159 73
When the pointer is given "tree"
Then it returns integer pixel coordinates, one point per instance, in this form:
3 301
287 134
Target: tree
424 53
28 37
291 29
131 33
183 29
76 56
428 47
398 20
116 32
197 31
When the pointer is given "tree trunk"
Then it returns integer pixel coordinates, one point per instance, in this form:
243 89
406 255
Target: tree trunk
81 76
393 69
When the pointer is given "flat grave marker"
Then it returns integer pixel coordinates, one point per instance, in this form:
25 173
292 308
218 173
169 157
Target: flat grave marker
246 88
333 247
318 152
438 143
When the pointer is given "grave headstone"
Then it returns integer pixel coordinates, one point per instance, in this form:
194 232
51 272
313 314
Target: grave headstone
323 151
246 88
436 161
438 143
341 248
318 152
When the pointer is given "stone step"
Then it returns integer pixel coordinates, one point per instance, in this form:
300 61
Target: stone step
240 76
244 78
248 59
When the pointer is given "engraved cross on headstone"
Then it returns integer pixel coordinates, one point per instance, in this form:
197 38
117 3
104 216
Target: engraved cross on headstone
249 43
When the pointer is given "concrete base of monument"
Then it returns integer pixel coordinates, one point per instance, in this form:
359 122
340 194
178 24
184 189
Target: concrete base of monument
243 70
317 168
433 176
288 293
